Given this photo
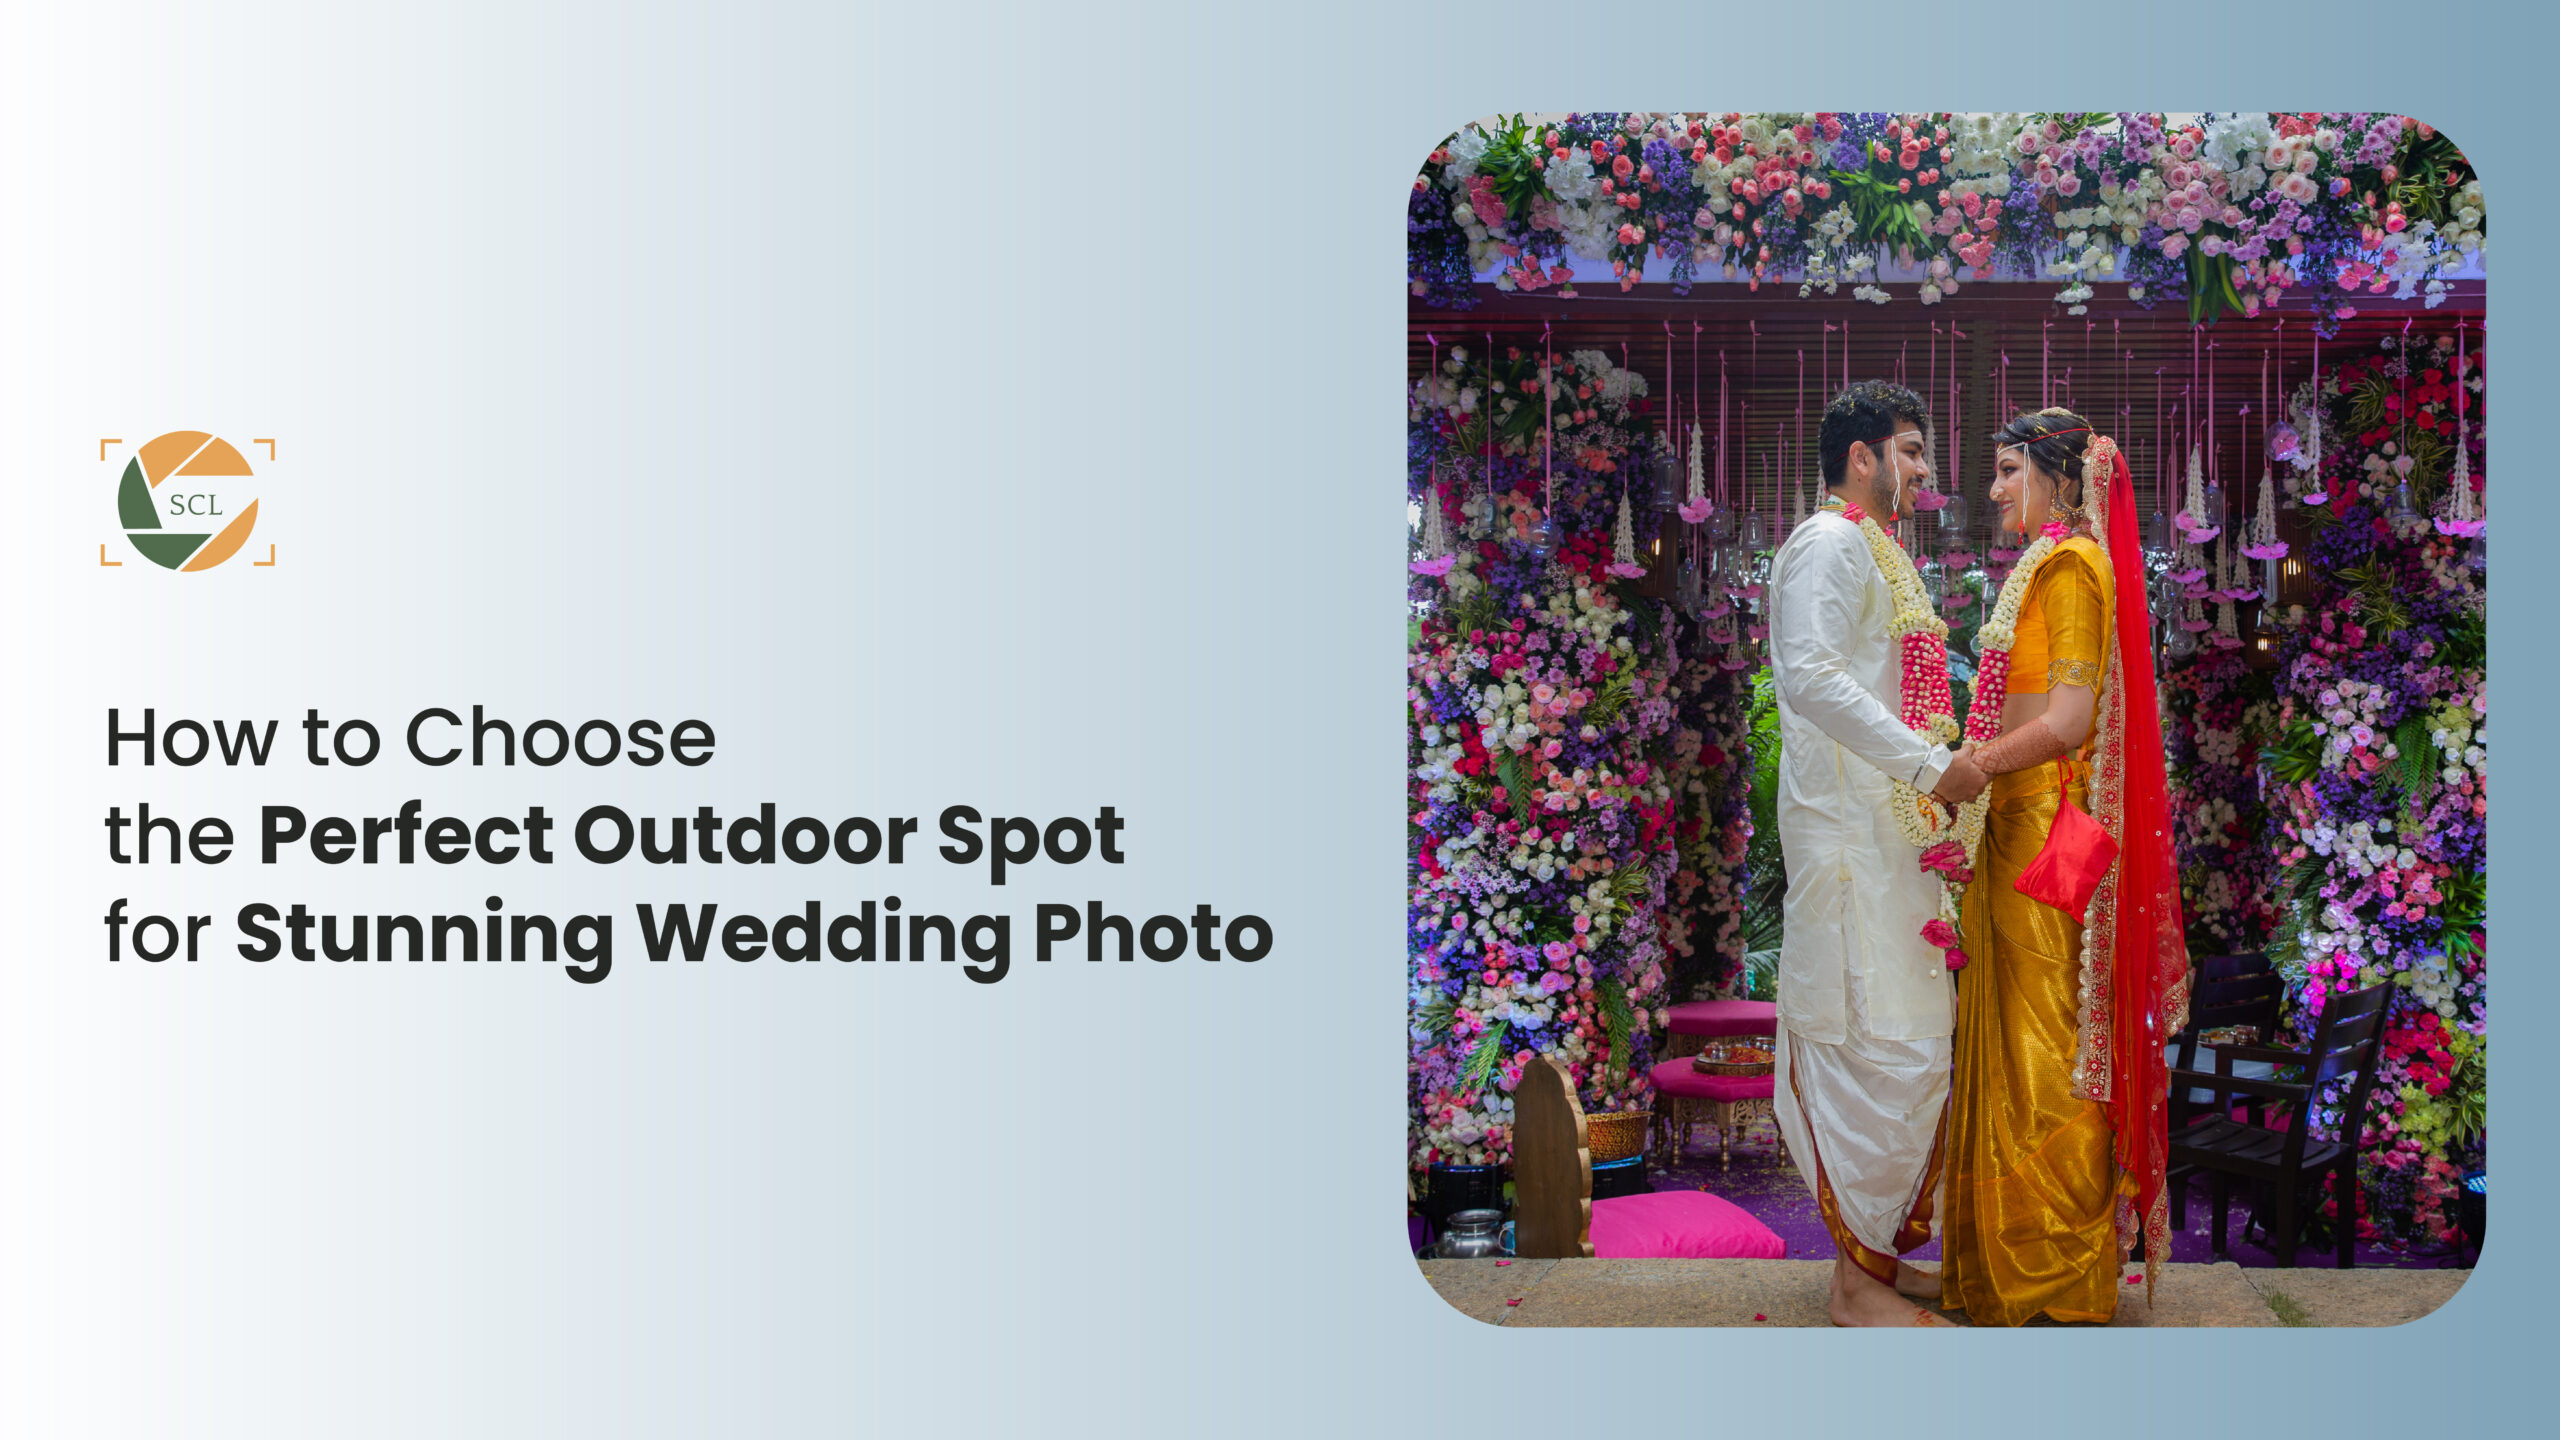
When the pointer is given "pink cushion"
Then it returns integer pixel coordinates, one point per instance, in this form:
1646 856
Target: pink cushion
1725 1017
1680 1225
1688 1082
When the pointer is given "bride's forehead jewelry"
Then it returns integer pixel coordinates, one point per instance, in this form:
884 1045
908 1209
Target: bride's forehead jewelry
2047 435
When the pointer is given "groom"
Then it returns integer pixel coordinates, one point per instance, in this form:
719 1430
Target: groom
1866 1010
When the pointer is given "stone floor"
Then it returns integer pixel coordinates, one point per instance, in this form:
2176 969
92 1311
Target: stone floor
1796 1292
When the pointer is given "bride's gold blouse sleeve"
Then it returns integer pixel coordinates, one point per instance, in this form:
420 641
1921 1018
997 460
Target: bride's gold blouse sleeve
2062 629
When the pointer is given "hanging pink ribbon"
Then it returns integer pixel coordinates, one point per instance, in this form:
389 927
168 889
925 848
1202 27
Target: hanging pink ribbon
2461 362
2212 405
1435 384
1724 416
1795 460
2044 374
1670 395
2404 383
1547 387
1955 411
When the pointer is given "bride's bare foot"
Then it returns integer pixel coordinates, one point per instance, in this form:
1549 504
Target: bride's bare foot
1859 1300
1915 1282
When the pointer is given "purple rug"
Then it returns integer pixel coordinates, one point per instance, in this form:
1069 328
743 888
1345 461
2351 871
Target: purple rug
1775 1194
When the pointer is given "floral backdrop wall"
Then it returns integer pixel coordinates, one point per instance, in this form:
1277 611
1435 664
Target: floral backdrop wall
2227 213
2376 768
2216 713
1576 834
1583 764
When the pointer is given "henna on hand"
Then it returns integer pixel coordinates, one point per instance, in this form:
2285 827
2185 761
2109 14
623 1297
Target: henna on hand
2029 745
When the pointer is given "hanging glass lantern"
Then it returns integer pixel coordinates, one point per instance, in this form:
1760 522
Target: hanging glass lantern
2182 642
1720 525
1755 532
2155 532
1688 592
2478 554
1667 491
2403 505
1953 515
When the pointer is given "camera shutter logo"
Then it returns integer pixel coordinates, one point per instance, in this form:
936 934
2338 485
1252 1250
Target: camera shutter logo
187 500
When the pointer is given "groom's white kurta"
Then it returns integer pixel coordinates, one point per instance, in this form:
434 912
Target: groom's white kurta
1865 1006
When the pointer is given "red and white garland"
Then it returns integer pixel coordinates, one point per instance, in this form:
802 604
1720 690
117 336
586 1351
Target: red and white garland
1948 842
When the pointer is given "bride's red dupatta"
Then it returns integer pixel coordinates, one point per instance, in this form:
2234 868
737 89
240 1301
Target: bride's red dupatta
2133 987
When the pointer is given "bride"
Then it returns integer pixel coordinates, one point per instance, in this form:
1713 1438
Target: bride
2077 968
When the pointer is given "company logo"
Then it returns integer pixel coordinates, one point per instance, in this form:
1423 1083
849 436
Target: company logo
187 500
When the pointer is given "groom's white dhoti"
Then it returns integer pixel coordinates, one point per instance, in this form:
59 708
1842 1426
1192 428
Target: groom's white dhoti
1866 1010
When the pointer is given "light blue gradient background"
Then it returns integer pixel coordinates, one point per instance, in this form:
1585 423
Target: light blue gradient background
645 360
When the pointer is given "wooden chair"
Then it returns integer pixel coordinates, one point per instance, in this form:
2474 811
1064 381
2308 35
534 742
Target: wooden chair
2345 1048
1556 1218
2236 999
1550 1166
2231 992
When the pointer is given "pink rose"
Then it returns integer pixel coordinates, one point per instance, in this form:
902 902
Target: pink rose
1622 167
1940 934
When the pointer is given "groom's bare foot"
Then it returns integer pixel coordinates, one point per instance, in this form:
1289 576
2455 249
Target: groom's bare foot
1915 1282
1859 1300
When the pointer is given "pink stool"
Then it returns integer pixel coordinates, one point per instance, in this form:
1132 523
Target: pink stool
1731 1097
1702 1020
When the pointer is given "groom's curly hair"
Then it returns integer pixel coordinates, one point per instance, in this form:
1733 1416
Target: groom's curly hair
1864 413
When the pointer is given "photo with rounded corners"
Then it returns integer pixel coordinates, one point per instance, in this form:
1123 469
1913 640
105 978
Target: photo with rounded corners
1946 719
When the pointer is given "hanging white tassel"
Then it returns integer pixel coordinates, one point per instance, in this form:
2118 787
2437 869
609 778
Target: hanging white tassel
2306 465
2228 622
2193 521
1438 555
1435 527
2263 544
1624 562
2461 507
1698 507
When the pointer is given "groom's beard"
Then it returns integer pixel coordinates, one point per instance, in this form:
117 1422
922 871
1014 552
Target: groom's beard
1884 490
